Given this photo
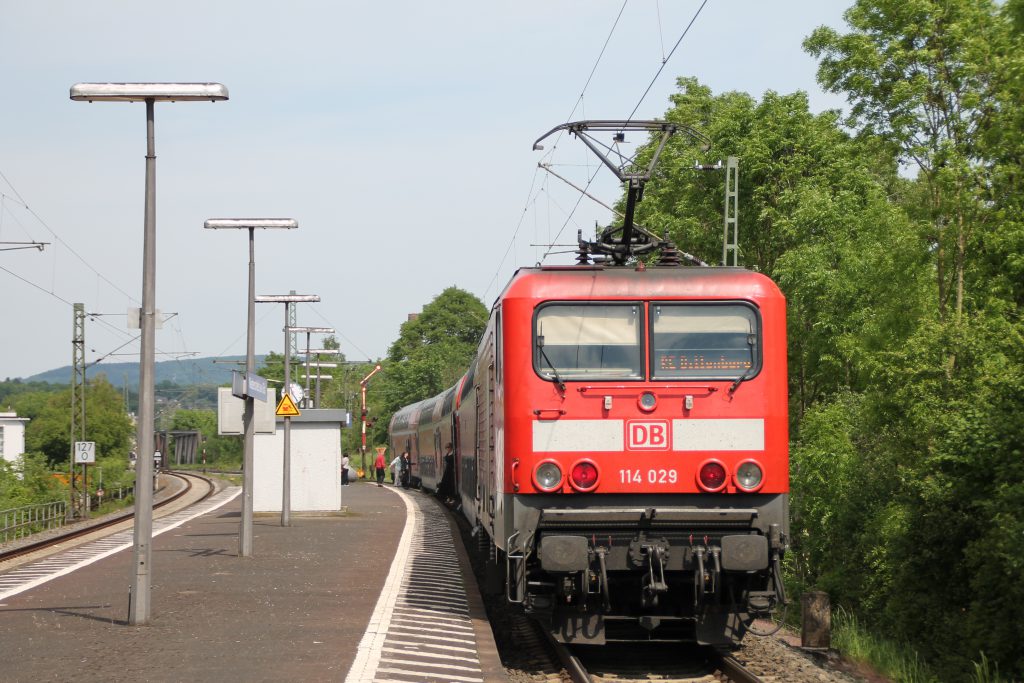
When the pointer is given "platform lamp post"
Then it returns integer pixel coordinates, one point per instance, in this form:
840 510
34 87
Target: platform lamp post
318 365
286 473
150 93
306 402
248 416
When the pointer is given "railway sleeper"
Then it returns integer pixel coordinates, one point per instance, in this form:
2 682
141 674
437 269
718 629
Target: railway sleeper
664 586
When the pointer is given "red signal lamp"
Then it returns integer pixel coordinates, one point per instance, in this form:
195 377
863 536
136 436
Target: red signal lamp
584 476
712 476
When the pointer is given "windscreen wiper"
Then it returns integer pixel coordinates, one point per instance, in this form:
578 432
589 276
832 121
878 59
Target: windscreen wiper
736 384
556 379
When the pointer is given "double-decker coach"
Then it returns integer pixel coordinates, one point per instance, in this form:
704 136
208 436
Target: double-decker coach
424 429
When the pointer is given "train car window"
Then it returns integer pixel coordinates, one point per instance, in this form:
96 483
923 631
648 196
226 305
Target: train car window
470 378
402 419
449 402
593 342
704 341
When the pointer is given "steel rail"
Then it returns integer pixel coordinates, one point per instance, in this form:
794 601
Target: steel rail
573 665
736 672
726 668
111 521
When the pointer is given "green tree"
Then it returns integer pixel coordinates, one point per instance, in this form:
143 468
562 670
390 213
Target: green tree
11 388
454 319
902 463
433 350
923 76
814 214
28 481
219 450
939 84
49 430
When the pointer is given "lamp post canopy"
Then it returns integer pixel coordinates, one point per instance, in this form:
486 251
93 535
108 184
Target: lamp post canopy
140 92
312 330
244 223
287 298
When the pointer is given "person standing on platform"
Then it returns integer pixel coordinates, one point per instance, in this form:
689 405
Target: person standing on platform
344 469
396 469
446 490
406 470
380 464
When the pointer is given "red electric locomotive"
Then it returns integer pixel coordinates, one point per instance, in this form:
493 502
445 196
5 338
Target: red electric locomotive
622 439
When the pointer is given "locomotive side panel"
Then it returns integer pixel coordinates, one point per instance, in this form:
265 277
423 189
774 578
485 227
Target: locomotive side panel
487 491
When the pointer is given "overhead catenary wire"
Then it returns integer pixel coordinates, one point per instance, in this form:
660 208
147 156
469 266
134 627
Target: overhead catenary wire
531 196
593 70
39 287
60 240
20 201
267 310
650 85
661 33
665 60
95 317
568 218
552 202
340 334
522 216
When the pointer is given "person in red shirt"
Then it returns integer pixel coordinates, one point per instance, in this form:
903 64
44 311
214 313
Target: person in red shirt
380 464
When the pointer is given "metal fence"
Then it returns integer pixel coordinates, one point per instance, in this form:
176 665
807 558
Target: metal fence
24 521
20 522
119 493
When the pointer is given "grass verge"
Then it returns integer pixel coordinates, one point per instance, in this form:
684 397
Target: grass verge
897 661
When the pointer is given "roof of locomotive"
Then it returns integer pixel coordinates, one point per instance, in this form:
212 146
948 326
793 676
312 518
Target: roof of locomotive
611 282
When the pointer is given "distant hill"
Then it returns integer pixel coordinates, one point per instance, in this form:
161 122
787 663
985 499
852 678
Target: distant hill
184 372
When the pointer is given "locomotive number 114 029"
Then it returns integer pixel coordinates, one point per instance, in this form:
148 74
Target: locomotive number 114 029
651 476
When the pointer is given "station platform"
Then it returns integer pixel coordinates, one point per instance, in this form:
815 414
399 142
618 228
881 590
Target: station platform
382 591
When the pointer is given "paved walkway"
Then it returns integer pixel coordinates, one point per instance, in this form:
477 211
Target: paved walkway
296 610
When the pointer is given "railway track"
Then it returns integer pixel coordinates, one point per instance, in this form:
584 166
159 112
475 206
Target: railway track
530 654
629 664
80 530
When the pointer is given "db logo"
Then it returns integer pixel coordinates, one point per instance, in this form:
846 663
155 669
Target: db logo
652 435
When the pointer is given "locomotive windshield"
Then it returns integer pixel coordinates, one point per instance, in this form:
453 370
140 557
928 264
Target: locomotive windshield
594 341
703 341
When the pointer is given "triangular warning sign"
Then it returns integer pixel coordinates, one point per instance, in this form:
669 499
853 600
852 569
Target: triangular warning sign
286 407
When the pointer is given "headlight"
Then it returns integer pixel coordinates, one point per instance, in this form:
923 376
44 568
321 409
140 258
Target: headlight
749 476
547 476
647 401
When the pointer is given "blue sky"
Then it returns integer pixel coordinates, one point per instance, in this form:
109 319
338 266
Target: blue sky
398 135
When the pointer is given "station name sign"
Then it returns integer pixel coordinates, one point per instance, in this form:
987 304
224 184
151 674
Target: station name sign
248 385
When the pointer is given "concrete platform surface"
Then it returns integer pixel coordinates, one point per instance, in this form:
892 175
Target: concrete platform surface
294 611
